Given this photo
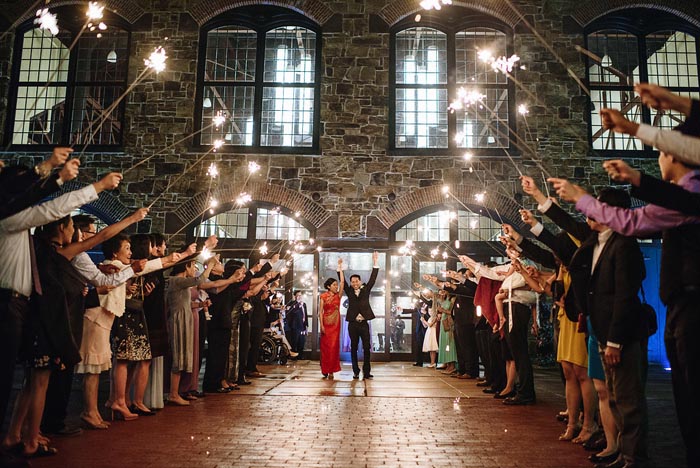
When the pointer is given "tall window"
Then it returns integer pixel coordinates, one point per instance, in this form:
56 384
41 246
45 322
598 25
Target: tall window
439 226
430 64
60 96
260 72
255 224
637 46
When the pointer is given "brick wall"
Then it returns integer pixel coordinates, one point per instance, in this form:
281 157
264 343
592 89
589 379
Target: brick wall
352 182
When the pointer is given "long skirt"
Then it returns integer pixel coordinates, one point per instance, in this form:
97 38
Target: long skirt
330 345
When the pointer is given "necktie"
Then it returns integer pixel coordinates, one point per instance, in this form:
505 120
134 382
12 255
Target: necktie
35 270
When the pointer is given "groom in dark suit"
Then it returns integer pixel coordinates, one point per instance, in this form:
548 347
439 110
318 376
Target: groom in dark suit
358 316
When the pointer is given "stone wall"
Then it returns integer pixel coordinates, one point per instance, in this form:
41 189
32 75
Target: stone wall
353 177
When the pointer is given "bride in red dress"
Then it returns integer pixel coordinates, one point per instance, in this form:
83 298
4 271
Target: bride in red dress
330 324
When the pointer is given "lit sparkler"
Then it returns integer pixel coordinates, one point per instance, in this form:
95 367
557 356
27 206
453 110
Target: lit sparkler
213 171
156 61
253 167
263 249
94 11
243 198
218 144
523 110
46 20
466 98
434 4
479 197
468 156
219 119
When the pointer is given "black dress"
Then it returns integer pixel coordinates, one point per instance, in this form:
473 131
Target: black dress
130 333
55 327
156 319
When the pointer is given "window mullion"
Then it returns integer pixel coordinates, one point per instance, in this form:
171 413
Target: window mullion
70 93
451 89
259 87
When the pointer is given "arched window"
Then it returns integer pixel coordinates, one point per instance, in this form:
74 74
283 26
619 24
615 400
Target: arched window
257 223
440 226
260 70
638 46
430 63
59 95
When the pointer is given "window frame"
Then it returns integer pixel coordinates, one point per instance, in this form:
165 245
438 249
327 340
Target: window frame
451 28
245 17
72 25
638 22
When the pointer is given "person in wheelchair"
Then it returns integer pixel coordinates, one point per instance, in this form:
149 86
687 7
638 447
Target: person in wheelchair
274 331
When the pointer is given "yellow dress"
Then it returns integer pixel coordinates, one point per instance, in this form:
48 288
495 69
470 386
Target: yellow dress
572 344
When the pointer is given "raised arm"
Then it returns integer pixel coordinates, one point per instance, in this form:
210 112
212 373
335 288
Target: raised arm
341 279
73 249
375 270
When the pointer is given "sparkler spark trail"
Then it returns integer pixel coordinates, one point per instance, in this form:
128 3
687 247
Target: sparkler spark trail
94 11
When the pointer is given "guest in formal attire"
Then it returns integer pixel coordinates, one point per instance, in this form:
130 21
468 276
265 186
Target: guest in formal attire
607 272
358 316
430 343
330 325
420 318
180 320
447 354
258 316
20 278
297 321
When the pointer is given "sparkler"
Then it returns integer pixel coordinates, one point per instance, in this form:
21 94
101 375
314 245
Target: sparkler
217 121
46 20
213 171
466 98
243 198
263 249
154 62
194 164
523 110
434 4
253 167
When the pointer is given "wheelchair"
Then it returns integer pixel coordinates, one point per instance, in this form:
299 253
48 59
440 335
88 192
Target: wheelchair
273 349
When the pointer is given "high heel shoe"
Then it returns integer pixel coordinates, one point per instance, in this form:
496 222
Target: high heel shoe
119 414
570 433
585 434
141 412
87 424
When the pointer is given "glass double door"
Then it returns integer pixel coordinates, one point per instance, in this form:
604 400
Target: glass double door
392 299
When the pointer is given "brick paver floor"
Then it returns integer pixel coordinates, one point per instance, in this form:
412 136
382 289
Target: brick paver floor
405 417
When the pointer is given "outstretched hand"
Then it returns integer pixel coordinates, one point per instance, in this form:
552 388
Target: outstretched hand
620 171
615 121
566 190
661 98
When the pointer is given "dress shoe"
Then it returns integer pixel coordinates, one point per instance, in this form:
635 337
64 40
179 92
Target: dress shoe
243 382
355 376
483 384
604 459
490 390
596 443
518 401
502 396
418 365
368 376
619 462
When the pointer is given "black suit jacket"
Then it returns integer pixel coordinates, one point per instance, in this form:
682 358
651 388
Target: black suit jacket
359 304
33 191
609 293
259 313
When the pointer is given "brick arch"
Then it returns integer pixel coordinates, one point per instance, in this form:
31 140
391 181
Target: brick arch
496 206
309 211
316 10
130 10
689 11
107 207
399 9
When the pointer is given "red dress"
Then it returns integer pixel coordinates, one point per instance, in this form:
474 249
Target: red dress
330 340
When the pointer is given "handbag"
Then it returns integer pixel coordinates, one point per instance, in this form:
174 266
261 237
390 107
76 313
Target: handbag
448 323
649 316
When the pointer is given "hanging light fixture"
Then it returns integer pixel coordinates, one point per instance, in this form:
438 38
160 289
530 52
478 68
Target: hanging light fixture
112 56
206 103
